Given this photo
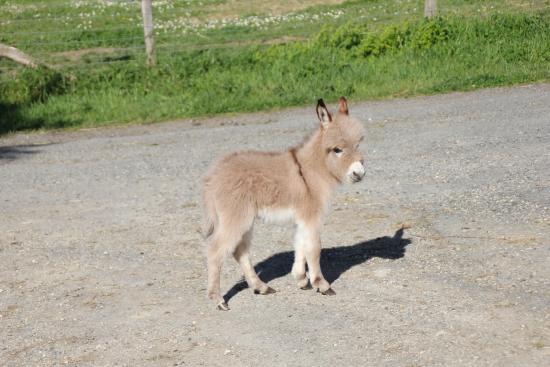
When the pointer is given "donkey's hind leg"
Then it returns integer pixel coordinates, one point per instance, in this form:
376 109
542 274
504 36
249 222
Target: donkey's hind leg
242 255
223 242
215 258
226 239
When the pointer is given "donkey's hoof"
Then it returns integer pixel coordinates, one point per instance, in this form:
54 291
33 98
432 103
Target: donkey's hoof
329 292
222 306
306 287
267 290
303 283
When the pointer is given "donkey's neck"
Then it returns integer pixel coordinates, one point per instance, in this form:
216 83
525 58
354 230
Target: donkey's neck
311 157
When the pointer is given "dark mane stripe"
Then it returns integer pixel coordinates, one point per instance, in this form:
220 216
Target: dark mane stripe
295 158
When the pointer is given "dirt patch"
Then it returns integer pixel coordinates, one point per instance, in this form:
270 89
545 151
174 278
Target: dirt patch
234 9
76 55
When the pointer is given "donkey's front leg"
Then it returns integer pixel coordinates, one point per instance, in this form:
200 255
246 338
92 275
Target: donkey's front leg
313 257
299 266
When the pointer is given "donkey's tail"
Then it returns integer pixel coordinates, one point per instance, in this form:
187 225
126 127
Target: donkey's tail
210 218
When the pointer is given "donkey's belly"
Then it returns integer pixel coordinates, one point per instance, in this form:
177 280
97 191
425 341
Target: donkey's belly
276 215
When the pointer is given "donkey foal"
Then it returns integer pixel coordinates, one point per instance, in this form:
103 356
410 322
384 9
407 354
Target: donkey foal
296 185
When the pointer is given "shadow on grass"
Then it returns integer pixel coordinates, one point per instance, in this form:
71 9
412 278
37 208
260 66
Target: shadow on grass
13 120
334 261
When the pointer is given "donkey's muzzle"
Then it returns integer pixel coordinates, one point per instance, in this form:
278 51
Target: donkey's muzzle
356 172
357 176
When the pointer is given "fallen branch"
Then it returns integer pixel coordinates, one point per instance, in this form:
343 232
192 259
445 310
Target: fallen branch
17 56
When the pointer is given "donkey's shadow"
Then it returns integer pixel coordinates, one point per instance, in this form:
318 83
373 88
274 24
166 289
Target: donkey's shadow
334 261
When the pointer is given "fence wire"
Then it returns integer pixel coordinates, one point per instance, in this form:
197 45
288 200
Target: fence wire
83 33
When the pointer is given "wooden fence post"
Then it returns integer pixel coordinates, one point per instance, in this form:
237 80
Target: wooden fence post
430 8
147 12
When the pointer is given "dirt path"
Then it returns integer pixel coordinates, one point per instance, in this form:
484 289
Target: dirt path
101 263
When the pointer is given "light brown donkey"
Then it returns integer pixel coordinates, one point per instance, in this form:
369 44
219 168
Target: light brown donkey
293 185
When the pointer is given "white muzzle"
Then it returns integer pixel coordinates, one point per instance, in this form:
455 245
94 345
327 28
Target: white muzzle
356 172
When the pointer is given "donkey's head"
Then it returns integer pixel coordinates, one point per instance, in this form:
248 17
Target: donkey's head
341 135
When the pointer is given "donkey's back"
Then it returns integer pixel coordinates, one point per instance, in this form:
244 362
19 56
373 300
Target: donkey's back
250 181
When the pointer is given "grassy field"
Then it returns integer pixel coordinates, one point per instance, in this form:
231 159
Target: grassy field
218 56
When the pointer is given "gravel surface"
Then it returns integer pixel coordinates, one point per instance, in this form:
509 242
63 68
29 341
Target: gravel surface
101 262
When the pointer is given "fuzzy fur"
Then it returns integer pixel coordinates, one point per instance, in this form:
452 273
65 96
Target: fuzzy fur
295 184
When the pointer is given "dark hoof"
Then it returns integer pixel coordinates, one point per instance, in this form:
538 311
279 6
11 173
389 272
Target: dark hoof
223 306
306 287
329 292
269 290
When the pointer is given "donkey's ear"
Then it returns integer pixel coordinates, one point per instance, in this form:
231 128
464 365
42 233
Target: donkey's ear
343 106
323 114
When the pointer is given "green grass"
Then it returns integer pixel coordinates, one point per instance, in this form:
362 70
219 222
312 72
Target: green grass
231 69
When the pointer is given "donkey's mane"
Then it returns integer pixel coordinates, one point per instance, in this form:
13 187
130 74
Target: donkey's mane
295 159
294 148
305 140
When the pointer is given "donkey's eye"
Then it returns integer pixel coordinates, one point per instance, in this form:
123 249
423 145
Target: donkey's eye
337 150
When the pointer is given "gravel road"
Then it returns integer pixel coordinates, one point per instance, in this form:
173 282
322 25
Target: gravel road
101 262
